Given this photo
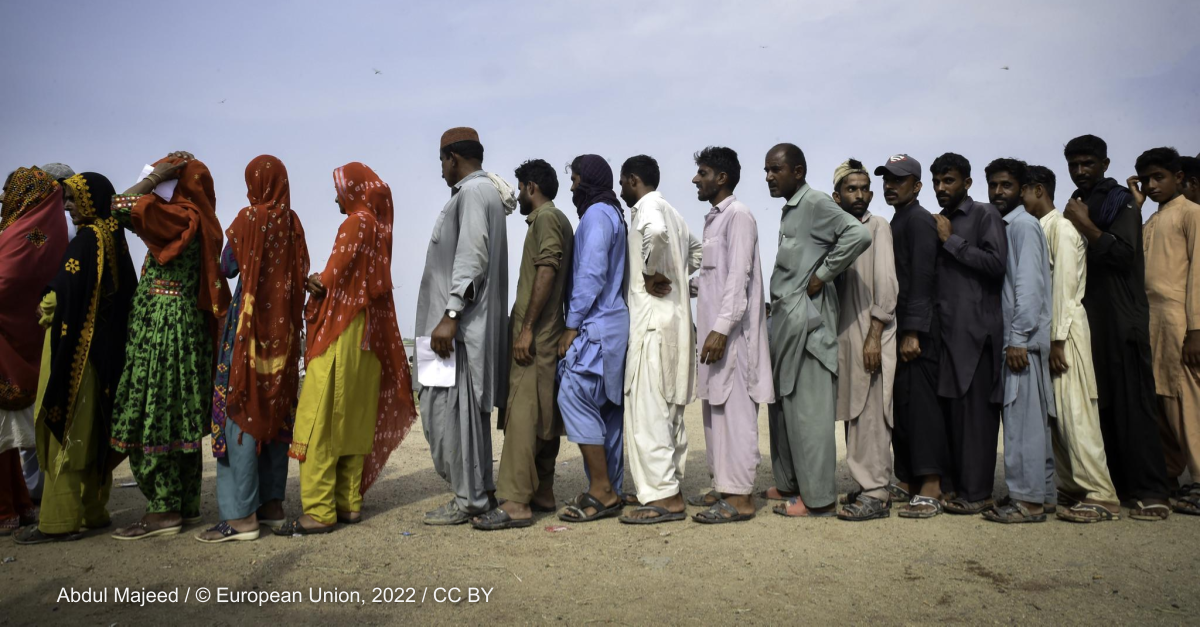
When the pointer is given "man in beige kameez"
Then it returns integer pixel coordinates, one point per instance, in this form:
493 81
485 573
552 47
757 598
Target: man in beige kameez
1079 457
867 294
531 421
1171 242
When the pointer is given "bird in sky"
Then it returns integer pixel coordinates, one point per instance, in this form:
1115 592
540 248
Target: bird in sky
377 71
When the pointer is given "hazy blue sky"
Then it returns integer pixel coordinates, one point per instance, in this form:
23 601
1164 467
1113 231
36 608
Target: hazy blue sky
110 86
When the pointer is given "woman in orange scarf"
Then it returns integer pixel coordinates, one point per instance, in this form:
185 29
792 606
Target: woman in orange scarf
356 404
33 237
164 400
258 371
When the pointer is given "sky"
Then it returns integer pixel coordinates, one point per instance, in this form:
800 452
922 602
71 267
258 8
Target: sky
111 86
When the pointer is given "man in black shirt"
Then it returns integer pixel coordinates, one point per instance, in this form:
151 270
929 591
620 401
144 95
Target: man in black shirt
919 442
1105 214
970 277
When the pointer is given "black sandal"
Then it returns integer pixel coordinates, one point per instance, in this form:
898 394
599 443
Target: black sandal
574 512
664 516
499 519
1188 504
293 528
31 535
865 508
1013 512
960 506
721 512
704 500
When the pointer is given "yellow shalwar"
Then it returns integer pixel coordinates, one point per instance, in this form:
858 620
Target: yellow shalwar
335 424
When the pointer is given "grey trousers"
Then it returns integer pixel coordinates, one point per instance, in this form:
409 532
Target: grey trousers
247 479
1028 445
460 438
803 426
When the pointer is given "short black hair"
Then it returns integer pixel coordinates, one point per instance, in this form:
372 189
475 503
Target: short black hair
1040 175
467 149
951 161
1164 157
721 159
1014 167
1086 145
854 164
540 173
643 167
1190 166
792 155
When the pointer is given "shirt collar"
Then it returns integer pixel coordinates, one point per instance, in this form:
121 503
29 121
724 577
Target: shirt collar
537 210
647 198
965 206
1173 203
473 175
795 200
1012 215
723 205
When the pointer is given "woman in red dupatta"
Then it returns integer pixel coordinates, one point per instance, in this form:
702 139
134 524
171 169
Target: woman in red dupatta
356 404
33 238
258 371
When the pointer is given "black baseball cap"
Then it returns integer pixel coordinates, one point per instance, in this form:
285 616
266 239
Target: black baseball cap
901 166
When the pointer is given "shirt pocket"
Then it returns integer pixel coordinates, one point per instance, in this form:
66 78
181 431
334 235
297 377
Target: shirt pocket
712 252
437 227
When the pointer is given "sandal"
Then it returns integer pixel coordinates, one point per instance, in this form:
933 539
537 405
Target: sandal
704 500
1013 512
865 508
574 512
851 497
898 492
293 528
448 514
773 494
228 534
1150 512
31 535
9 526
960 506
630 499
721 512
147 533
910 510
348 520
664 516
498 519
1087 513
532 506
782 509
1188 504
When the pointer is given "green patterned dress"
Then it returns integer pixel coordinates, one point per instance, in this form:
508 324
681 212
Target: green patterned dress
164 399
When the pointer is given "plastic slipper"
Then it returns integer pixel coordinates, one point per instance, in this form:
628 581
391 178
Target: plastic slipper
704 500
168 531
664 516
865 508
909 511
293 528
31 535
721 512
574 512
1013 512
960 506
1150 512
228 534
1079 513
498 519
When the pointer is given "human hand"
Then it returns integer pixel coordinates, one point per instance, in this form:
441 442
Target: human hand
657 285
564 343
1058 357
1017 358
714 348
442 338
523 347
944 228
815 285
315 287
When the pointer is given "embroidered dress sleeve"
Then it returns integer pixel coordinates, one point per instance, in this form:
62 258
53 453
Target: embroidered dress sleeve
122 209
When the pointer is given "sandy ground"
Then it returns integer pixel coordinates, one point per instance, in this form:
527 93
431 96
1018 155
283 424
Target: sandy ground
771 570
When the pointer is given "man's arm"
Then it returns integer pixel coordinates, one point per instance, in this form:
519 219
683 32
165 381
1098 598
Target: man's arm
471 255
592 242
1029 286
1191 232
918 315
1116 247
990 256
846 234
550 251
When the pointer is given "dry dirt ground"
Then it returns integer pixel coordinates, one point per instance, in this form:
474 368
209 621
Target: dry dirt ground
771 570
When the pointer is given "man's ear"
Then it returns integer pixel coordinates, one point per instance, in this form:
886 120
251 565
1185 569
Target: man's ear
800 172
917 188
967 182
837 197
722 179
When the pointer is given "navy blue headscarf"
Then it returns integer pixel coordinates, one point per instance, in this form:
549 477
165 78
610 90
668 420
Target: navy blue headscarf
595 184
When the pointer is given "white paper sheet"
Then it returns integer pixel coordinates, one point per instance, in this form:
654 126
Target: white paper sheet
432 370
164 189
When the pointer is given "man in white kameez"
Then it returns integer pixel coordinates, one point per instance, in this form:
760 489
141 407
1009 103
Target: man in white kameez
660 369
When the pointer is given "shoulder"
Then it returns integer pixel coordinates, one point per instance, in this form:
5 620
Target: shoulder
739 213
817 198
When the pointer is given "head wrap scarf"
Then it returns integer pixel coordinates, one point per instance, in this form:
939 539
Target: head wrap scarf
94 288
267 241
168 226
358 277
595 184
844 170
32 242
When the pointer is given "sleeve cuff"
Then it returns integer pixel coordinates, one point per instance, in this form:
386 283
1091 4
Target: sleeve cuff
723 326
574 320
1018 340
456 303
954 243
824 273
915 323
882 316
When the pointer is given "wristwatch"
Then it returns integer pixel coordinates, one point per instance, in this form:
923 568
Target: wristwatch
452 315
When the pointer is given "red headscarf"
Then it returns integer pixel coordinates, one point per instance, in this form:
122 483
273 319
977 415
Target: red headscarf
167 227
268 243
33 238
359 277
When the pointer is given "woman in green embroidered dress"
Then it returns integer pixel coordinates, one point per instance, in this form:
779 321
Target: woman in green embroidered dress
164 399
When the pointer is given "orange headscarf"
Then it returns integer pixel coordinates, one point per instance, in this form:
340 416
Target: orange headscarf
358 277
267 241
167 227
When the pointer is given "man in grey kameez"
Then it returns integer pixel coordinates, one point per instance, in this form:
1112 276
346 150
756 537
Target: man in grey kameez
462 307
817 241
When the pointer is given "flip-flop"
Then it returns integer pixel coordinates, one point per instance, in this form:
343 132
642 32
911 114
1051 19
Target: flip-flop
721 512
921 500
585 500
702 500
1077 514
664 516
168 531
31 535
1142 512
228 534
498 519
293 528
